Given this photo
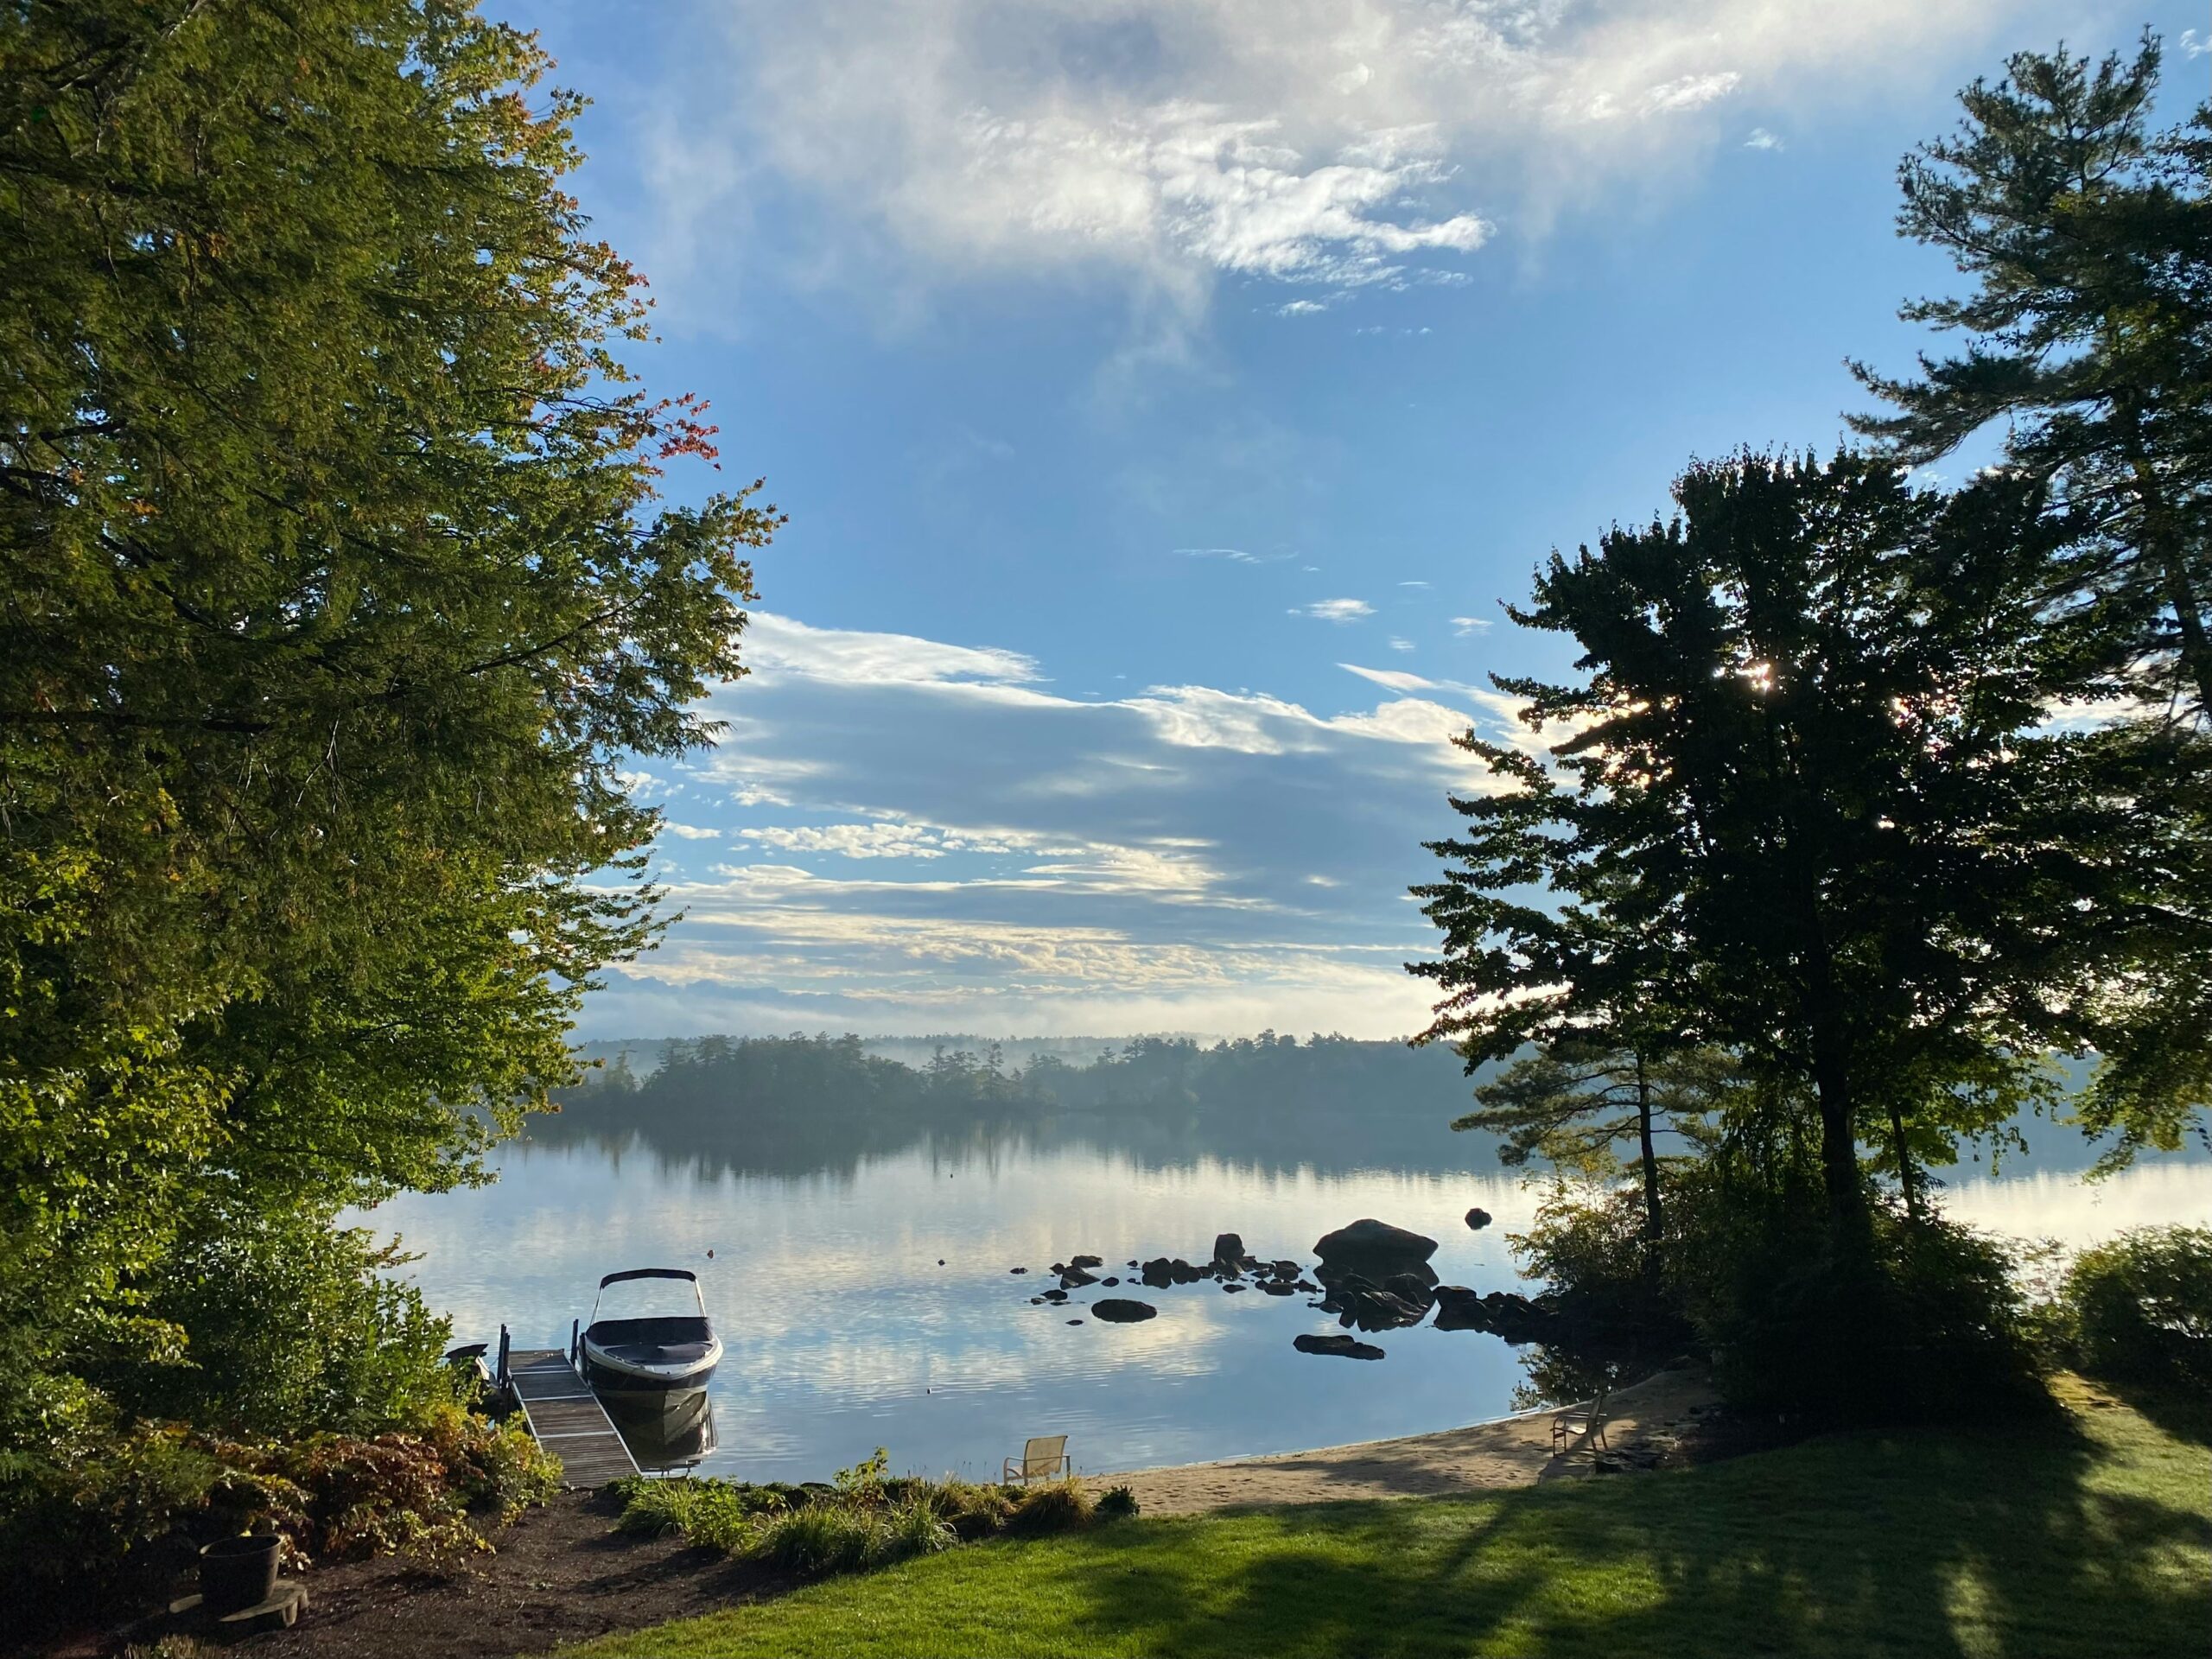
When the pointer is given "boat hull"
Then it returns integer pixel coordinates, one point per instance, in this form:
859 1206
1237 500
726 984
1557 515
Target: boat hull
612 1371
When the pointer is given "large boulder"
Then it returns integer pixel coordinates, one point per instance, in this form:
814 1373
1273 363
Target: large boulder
1158 1272
1228 1248
1085 1262
1375 1247
1477 1219
1342 1347
1121 1310
1075 1278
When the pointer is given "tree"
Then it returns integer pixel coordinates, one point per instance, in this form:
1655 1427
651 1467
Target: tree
2087 335
1572 1104
1804 764
334 598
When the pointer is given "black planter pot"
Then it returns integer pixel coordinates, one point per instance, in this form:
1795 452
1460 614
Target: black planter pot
238 1573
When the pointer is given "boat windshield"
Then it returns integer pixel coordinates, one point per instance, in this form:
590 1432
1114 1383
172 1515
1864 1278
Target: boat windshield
652 1294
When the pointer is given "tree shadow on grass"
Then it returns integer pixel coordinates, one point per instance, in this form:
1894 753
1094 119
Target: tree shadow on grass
2004 1541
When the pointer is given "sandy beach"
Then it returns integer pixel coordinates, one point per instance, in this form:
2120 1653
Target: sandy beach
1504 1451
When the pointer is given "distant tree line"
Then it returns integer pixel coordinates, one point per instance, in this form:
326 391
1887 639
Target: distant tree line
737 1079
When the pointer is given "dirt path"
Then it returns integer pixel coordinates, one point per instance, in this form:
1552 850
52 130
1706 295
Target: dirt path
1508 1452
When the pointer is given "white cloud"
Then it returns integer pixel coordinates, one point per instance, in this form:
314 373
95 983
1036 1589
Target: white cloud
689 831
1233 555
933 848
1398 644
1335 610
1177 142
774 643
1393 679
1464 625
1412 584
2193 45
1762 139
1691 91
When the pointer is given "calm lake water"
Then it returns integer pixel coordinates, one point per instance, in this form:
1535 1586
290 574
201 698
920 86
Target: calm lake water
864 1300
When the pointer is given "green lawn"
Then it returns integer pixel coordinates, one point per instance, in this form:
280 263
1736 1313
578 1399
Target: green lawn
2093 1539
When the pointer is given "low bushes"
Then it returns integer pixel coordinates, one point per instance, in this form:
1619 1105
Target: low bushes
2138 1309
1909 1318
75 1527
866 1519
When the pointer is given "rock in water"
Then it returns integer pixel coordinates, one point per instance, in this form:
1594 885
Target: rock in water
1086 1261
1458 1308
1370 1240
1158 1272
1342 1347
1477 1219
1075 1278
1228 1284
1410 1287
1228 1247
1017 1269
1109 1280
1121 1310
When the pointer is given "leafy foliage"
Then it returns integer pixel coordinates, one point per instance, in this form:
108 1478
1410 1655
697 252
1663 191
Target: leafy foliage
1803 768
2138 1309
335 597
76 1527
2087 337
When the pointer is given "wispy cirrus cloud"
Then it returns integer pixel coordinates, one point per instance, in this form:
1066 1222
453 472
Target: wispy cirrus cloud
1234 554
1335 610
1464 625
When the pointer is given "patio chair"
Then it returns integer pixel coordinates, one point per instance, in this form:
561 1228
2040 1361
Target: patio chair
1043 1458
1585 1423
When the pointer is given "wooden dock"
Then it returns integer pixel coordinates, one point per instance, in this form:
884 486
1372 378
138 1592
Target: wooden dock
567 1418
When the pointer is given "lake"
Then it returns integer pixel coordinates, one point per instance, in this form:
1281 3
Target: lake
864 1297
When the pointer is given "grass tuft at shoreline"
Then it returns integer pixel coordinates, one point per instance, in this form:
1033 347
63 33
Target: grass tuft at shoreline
2091 1537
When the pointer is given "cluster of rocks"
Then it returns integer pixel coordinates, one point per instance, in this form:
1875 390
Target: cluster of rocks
1372 1276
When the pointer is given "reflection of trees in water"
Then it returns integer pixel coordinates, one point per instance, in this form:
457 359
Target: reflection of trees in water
814 1107
837 1149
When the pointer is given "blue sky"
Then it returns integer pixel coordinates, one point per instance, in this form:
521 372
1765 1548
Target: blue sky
1164 393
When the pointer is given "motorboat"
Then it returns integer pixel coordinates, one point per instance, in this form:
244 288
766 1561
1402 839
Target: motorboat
658 1352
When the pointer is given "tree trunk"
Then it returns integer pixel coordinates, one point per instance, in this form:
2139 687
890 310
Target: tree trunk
2167 551
1905 1177
1652 1229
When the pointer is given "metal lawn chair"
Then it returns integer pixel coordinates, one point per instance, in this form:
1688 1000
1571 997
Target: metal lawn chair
1043 1458
1585 1422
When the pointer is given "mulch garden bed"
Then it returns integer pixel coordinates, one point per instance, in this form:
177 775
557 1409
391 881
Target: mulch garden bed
562 1574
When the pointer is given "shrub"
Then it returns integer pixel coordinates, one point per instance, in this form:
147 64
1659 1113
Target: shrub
1062 1506
910 1528
291 1326
1115 1503
2138 1309
815 1540
1919 1319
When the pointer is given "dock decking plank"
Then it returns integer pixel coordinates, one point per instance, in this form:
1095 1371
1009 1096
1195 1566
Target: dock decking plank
567 1419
